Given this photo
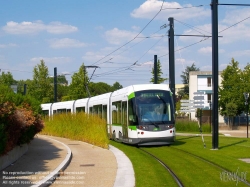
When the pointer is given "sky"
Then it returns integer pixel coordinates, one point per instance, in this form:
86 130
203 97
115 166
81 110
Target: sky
119 38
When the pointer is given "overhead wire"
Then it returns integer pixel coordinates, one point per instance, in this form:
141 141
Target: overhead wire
128 67
192 27
137 36
144 38
134 37
178 8
234 24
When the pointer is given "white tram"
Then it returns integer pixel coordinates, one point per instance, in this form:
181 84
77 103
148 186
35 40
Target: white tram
138 114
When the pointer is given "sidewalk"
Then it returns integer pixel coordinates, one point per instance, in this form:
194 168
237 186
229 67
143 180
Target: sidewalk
232 133
78 164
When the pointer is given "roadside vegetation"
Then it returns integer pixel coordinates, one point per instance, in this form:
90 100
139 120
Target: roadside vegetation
19 119
191 126
79 126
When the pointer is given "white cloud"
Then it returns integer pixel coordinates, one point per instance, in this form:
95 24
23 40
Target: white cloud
7 45
36 27
205 50
117 37
240 53
51 60
66 43
206 68
234 16
150 7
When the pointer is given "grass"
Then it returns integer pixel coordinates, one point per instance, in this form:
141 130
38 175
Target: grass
79 126
148 172
192 170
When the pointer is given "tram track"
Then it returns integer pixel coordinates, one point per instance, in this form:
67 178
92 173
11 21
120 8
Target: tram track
177 180
210 162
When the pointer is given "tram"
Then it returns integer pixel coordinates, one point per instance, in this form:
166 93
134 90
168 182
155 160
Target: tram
138 114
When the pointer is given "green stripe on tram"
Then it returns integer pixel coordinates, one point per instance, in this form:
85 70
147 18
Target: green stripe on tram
132 127
132 95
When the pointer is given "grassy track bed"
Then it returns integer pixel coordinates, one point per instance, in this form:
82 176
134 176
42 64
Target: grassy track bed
148 171
192 163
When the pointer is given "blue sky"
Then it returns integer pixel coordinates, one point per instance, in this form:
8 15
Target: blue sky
120 37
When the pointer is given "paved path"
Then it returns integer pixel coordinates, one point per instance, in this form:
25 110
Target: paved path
77 163
90 166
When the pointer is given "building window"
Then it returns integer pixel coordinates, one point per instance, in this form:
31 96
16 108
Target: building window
209 97
209 82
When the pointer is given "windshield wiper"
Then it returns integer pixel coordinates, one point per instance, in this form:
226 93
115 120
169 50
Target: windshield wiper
151 122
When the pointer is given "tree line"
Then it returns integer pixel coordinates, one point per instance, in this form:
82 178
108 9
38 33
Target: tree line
41 86
231 100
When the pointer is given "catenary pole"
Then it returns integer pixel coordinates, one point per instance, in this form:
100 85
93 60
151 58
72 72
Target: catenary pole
55 84
215 62
155 70
171 57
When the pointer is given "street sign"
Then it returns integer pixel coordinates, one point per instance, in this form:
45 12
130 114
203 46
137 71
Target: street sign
198 97
187 110
199 93
198 106
187 104
186 101
198 102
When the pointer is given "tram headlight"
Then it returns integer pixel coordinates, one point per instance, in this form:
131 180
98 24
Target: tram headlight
169 126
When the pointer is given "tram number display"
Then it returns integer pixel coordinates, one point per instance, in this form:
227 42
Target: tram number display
147 95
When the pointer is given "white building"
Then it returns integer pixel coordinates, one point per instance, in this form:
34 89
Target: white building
201 81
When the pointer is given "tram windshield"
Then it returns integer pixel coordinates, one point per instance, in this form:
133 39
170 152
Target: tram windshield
152 106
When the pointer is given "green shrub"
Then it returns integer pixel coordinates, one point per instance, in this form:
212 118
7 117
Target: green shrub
191 126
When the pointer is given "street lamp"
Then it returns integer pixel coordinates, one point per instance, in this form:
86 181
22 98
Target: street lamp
246 95
55 82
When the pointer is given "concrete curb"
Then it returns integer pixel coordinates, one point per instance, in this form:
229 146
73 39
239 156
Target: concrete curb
125 176
51 177
13 156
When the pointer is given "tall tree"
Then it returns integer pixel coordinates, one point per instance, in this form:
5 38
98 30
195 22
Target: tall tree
40 87
232 88
185 77
185 73
7 79
159 74
78 84
99 88
116 86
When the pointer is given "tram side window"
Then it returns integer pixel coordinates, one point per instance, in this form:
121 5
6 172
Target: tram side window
97 109
45 112
80 109
116 112
60 111
124 113
104 113
119 112
90 110
131 112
